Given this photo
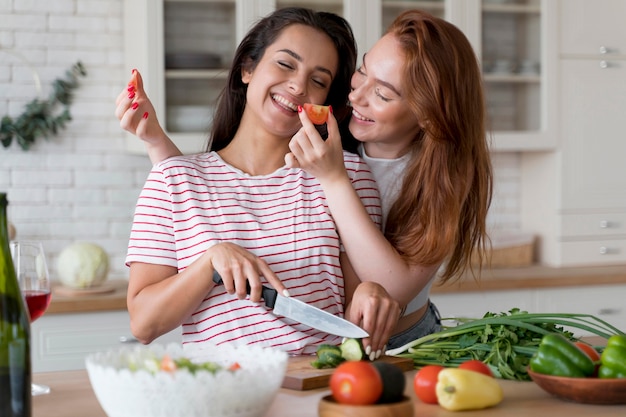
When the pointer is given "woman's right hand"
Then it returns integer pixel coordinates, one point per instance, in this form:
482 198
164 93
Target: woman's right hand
136 113
238 267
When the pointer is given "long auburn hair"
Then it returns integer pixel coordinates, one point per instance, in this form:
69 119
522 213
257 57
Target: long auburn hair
441 211
232 99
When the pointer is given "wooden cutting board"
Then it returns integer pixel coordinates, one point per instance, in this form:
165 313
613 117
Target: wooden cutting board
302 376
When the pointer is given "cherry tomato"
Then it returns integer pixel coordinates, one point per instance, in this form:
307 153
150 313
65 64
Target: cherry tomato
476 366
356 383
589 350
425 382
317 113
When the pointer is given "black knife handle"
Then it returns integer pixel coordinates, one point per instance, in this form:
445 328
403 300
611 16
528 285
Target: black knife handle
269 294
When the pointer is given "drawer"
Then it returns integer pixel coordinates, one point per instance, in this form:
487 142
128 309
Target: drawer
62 341
593 224
593 252
606 302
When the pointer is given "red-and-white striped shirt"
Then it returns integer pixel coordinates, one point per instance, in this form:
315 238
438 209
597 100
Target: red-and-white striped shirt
190 203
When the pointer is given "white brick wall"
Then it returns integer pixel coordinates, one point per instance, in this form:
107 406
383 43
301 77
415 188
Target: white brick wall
82 185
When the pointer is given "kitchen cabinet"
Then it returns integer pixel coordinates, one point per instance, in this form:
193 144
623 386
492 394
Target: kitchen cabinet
580 190
184 48
60 342
606 302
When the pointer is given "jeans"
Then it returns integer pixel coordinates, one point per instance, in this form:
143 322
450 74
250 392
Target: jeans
429 323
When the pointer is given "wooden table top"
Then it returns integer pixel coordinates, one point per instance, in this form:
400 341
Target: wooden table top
71 396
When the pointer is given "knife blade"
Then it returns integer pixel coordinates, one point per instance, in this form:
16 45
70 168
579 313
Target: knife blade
304 313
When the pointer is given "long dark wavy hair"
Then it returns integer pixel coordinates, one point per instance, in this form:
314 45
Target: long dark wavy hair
232 99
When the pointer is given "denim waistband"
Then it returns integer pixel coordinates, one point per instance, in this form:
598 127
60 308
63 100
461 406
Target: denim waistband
429 323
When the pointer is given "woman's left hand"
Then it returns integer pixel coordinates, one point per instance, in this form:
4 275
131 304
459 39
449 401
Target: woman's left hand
377 313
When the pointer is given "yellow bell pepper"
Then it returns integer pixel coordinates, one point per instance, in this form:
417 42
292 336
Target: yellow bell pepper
462 389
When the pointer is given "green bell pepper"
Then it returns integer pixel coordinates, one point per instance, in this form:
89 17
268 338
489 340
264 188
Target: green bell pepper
558 356
613 358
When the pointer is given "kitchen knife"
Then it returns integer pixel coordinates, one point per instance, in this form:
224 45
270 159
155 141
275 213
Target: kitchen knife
304 313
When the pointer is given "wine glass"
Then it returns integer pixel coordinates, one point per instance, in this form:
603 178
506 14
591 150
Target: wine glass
32 275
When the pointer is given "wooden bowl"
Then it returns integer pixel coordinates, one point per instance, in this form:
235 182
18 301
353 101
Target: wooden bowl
328 407
583 390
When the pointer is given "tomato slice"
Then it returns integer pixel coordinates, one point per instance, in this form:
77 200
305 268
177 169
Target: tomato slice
425 382
133 81
356 383
317 113
476 366
168 364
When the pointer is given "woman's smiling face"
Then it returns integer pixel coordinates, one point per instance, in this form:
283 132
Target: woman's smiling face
381 114
297 68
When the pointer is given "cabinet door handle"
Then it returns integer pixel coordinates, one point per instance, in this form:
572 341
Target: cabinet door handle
604 64
609 311
604 250
604 224
604 50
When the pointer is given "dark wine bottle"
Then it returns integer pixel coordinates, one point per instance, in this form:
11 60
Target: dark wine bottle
15 370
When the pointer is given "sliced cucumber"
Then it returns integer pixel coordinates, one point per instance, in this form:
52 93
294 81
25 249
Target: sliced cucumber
328 356
352 350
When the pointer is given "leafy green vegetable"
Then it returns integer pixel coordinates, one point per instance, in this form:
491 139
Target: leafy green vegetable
38 118
503 341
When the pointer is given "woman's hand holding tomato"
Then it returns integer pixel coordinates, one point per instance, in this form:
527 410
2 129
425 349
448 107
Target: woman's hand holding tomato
135 111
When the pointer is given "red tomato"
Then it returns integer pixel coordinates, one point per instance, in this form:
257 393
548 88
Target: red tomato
425 382
317 113
476 366
356 383
589 350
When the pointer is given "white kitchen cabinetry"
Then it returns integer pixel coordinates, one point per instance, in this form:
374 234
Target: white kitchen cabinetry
580 190
61 342
475 304
606 302
183 49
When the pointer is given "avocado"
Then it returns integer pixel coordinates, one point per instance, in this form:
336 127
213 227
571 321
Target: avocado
393 382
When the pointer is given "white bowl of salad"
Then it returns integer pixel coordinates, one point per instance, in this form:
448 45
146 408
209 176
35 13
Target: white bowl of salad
167 381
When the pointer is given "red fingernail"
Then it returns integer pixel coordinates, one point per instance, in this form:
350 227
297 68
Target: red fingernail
130 88
330 109
134 70
299 109
131 95
135 105
145 115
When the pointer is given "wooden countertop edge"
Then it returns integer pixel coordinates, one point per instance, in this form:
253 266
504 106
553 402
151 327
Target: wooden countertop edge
501 279
535 277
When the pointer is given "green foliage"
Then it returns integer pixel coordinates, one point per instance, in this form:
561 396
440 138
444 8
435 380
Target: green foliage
41 117
505 341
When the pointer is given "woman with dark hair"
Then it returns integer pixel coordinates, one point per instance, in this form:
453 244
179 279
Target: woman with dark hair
238 210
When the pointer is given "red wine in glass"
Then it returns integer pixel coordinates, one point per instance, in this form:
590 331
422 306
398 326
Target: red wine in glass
37 302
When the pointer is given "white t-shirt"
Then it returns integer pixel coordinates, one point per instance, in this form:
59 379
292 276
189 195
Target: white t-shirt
388 174
190 203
